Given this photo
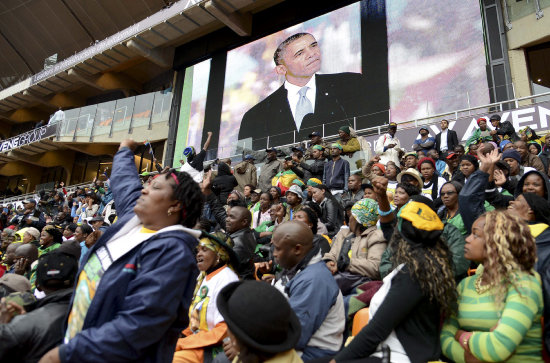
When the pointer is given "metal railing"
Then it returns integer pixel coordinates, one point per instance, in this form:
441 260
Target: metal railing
235 153
515 10
111 117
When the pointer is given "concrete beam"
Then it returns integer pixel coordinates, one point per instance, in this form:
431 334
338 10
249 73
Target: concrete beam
160 56
48 159
111 81
239 23
36 98
94 149
26 115
107 81
67 100
89 80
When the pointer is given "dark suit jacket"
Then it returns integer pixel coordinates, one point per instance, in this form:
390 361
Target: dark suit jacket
338 97
452 141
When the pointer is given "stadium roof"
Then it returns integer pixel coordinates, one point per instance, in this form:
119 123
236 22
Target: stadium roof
33 30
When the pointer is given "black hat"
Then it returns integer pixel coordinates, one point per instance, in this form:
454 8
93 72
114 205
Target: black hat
56 266
295 149
259 316
271 149
314 133
494 117
97 219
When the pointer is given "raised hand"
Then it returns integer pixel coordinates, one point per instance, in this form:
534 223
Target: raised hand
380 185
129 143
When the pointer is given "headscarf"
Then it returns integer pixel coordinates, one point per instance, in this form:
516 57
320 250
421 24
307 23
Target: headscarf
380 166
222 245
539 147
216 247
313 182
298 182
425 160
503 143
365 212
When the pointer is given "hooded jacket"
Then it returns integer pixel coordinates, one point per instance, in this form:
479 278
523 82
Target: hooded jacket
141 303
500 200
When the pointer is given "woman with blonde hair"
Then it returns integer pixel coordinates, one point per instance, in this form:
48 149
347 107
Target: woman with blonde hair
500 307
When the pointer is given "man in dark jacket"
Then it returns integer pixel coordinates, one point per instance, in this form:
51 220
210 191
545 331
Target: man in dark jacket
446 140
315 170
237 224
29 336
336 171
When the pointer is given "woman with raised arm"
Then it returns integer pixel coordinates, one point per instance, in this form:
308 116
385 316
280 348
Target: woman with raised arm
135 284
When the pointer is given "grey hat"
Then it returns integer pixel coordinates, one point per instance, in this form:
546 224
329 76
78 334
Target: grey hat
33 232
296 190
16 282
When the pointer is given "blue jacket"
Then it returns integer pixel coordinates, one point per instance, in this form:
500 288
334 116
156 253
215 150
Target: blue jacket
142 301
336 174
471 200
312 293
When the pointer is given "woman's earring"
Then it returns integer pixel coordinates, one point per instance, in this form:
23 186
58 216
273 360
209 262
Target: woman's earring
170 211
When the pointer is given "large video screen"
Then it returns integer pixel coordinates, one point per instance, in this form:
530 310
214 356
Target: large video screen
341 68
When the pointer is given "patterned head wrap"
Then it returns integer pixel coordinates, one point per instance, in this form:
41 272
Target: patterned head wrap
212 242
298 182
314 182
365 212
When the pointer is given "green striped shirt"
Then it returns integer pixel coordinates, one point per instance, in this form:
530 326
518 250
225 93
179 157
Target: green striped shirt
518 333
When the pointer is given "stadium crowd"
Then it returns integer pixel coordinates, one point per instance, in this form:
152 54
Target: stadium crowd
438 253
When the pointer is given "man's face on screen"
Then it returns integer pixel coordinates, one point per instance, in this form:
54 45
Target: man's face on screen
301 58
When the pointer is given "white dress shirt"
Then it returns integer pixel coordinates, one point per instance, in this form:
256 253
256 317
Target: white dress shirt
443 146
293 97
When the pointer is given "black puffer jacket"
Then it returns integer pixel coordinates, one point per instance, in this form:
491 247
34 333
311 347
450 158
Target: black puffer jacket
224 183
28 337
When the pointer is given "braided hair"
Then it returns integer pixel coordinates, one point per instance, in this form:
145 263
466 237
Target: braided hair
189 193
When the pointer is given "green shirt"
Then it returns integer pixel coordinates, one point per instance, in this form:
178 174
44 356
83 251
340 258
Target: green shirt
267 226
43 250
457 221
517 336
